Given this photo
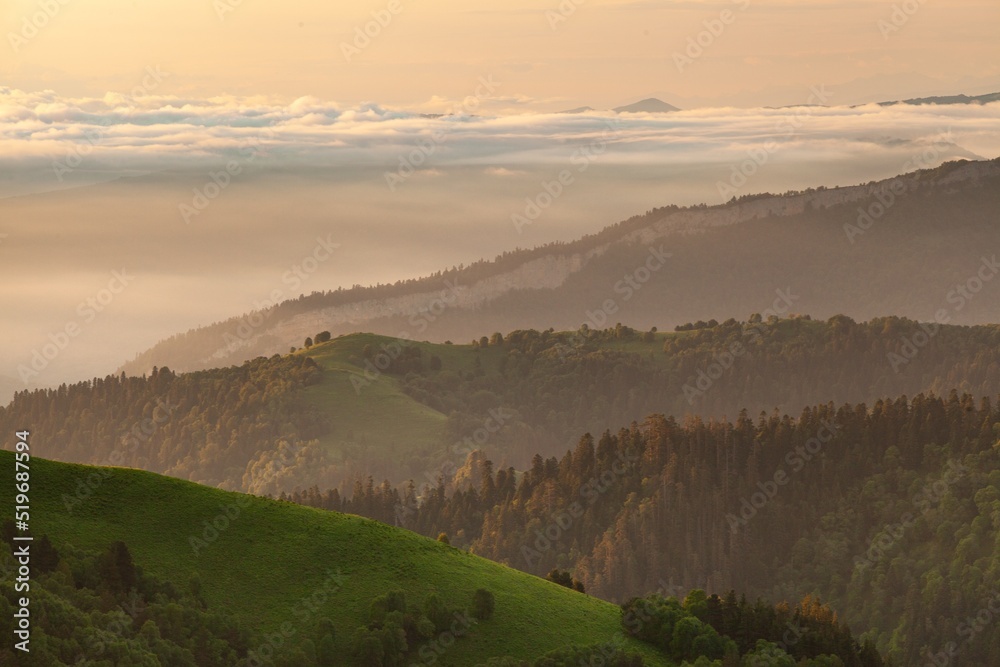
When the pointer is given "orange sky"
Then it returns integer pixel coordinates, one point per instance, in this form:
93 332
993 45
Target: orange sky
430 53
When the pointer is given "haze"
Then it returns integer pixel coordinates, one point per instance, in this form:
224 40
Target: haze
130 108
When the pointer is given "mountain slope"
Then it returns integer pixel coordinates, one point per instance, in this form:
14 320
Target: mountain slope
358 407
889 511
725 260
274 563
948 99
363 405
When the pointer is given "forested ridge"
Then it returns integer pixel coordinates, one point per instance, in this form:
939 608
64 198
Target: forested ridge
263 428
807 240
562 384
890 512
208 426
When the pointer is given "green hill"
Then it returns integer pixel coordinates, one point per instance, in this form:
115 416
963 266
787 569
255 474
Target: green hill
360 416
274 558
363 405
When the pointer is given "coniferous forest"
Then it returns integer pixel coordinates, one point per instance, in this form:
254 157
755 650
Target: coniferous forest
883 512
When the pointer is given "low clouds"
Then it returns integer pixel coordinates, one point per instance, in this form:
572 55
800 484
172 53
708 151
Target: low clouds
123 133
311 168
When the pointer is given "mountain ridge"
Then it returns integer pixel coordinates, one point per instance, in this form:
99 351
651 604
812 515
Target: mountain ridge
425 308
947 99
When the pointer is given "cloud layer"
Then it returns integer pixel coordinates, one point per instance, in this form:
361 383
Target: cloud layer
45 132
310 169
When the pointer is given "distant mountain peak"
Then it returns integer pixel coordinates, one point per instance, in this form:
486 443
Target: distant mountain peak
648 105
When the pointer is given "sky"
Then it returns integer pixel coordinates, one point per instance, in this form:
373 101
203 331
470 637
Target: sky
548 55
205 148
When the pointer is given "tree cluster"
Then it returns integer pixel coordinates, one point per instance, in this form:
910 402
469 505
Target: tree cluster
210 427
101 609
890 511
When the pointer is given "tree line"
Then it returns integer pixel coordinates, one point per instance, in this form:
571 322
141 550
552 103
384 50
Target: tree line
890 512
